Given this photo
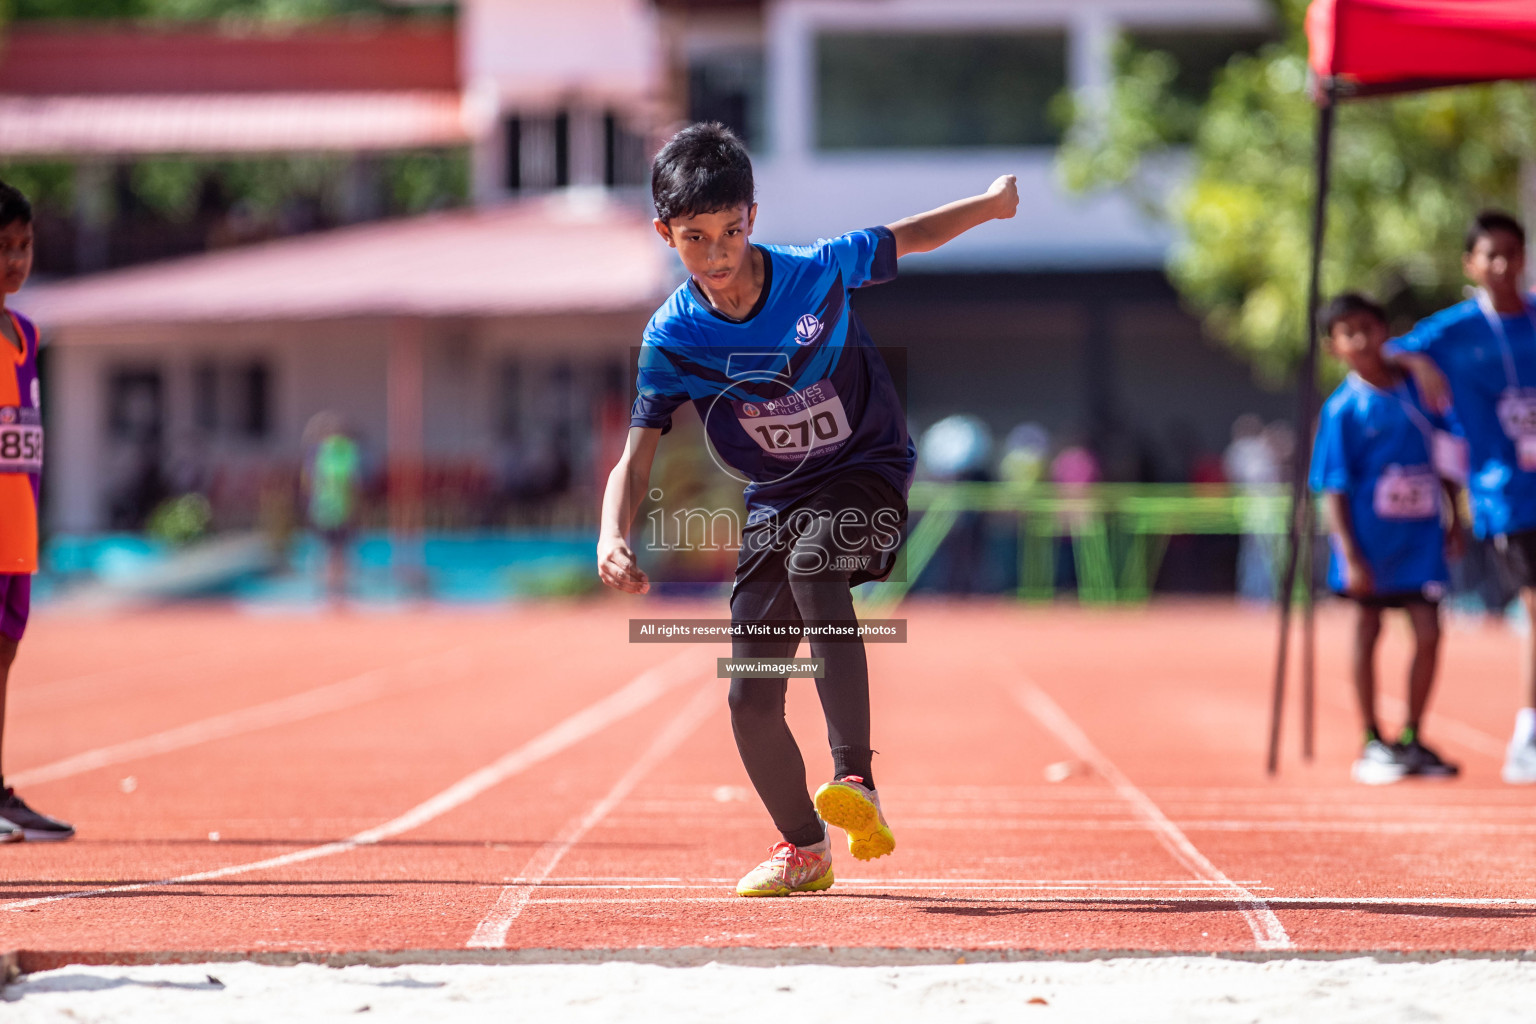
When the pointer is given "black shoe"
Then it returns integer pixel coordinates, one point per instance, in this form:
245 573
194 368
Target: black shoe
35 827
1419 760
10 833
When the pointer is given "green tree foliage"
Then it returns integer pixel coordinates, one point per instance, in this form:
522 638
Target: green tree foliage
412 181
1408 173
426 180
46 183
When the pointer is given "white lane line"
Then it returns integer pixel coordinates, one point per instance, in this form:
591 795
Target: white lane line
1456 731
1384 828
1376 828
1268 933
958 813
570 881
491 932
643 690
886 885
1312 902
283 711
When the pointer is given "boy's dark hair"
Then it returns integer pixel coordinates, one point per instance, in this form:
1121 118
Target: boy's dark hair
13 206
1487 222
1345 305
702 169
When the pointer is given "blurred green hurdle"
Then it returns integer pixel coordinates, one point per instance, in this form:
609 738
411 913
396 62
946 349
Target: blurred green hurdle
1119 532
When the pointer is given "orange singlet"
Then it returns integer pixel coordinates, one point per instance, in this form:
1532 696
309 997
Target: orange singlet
21 449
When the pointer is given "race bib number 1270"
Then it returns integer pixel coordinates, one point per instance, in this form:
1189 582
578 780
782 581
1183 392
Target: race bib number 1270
21 440
800 425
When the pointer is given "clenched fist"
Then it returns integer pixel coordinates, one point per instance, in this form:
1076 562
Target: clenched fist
1004 194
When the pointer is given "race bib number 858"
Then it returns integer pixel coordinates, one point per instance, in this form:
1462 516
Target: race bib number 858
21 440
800 425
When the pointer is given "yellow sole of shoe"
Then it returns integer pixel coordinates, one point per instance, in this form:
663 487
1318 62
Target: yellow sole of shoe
820 884
850 811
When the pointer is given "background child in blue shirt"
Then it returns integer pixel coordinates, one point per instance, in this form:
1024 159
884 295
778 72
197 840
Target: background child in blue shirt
1484 351
798 404
1391 518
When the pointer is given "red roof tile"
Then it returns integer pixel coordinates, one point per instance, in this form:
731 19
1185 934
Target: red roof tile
229 123
115 58
557 255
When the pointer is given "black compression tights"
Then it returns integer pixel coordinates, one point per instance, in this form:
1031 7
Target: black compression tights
767 747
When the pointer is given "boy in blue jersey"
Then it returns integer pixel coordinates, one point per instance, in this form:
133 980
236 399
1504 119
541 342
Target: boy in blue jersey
1374 464
797 403
1484 350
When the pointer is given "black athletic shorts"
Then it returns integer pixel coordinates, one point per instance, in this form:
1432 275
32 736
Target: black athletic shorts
868 519
1517 557
1398 599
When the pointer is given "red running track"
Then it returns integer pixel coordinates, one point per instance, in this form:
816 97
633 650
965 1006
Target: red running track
443 784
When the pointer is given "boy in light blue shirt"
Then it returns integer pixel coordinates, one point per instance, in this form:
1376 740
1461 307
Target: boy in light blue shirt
1390 523
1481 354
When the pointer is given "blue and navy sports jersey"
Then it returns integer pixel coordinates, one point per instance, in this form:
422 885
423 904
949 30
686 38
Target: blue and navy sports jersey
1467 349
795 393
1376 448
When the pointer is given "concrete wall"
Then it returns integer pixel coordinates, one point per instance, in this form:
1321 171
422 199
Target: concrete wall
806 193
534 58
537 52
518 56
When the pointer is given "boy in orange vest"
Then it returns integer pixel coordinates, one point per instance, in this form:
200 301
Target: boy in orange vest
21 466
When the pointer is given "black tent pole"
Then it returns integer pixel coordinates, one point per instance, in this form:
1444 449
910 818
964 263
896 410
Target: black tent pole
1300 533
1306 533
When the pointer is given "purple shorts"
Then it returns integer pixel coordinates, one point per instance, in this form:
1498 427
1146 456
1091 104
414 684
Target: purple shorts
15 603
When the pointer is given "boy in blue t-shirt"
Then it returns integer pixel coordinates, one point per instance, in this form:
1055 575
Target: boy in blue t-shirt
1481 354
798 404
1374 464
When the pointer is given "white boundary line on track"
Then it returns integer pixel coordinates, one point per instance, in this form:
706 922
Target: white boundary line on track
1268 933
1321 827
886 886
321 700
1342 903
491 932
619 881
640 692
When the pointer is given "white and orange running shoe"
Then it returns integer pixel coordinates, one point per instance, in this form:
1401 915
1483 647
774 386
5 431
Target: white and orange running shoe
790 868
855 808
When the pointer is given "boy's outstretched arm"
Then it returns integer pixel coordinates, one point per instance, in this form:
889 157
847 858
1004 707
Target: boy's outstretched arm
924 232
626 489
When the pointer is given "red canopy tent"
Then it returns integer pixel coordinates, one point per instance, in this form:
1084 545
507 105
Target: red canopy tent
1381 46
1361 48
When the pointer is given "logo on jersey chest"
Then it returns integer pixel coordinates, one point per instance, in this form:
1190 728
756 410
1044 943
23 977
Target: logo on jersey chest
807 329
